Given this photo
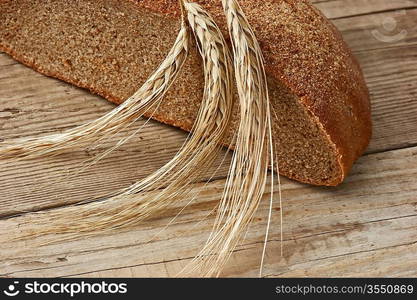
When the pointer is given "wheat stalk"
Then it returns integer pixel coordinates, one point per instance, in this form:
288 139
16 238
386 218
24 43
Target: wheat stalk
173 179
247 178
151 92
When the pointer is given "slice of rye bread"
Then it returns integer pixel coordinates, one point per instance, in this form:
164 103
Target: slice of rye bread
321 118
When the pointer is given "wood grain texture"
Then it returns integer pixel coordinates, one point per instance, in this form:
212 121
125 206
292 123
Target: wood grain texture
325 231
335 9
365 227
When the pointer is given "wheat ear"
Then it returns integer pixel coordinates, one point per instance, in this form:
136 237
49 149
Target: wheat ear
151 92
247 180
173 179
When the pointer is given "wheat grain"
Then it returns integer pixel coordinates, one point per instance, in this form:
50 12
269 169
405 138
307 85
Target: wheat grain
247 178
173 179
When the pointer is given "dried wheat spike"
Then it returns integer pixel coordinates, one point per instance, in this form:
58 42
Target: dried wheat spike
173 179
151 92
247 180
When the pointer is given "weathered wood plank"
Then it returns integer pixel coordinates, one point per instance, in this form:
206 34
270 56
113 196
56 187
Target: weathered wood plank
379 30
392 261
335 9
391 75
372 216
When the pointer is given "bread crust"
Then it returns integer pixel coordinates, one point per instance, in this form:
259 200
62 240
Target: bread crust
306 53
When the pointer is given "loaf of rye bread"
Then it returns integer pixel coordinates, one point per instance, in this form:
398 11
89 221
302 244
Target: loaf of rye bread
321 108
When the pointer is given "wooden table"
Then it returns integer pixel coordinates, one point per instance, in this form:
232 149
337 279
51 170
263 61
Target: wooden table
365 227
